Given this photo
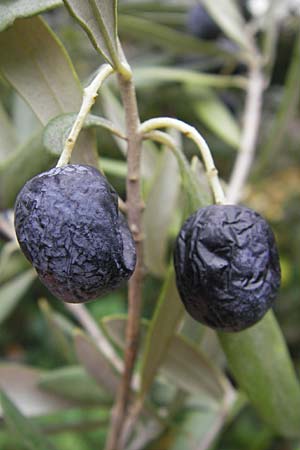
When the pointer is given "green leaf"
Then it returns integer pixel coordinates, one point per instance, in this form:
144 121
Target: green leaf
8 139
229 18
23 430
285 113
198 428
99 19
16 170
114 111
92 359
189 368
168 314
113 167
183 363
73 383
166 37
21 384
12 291
61 329
213 113
114 325
168 14
259 360
18 9
169 310
12 261
35 63
161 204
57 130
145 75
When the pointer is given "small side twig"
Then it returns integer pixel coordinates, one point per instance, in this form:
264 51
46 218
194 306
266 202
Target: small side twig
134 216
249 138
191 133
89 98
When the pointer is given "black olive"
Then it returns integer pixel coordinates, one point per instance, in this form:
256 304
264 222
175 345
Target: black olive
68 225
227 266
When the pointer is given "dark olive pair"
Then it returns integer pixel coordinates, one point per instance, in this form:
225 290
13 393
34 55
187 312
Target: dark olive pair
69 227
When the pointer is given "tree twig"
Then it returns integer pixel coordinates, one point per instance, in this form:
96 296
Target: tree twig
249 138
134 215
89 97
191 133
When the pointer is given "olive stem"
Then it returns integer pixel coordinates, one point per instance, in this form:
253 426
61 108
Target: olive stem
252 117
134 216
191 133
89 97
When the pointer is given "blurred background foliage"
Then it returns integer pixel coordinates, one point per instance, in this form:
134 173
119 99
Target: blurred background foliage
172 46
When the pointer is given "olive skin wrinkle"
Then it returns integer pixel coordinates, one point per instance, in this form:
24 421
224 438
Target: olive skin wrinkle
68 226
227 267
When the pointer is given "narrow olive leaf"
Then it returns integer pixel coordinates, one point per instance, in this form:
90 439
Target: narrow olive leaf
229 18
199 427
161 202
99 20
198 170
61 329
12 262
144 76
18 9
214 114
190 369
113 167
42 73
210 345
57 130
169 310
137 7
168 15
73 383
26 124
23 430
285 113
115 113
39 69
114 326
259 360
8 138
12 291
15 170
185 365
166 37
92 359
21 384
168 313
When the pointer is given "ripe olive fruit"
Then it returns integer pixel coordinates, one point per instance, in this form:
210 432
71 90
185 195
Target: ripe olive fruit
227 266
69 227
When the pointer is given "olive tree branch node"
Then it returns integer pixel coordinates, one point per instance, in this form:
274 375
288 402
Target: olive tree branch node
191 133
89 98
